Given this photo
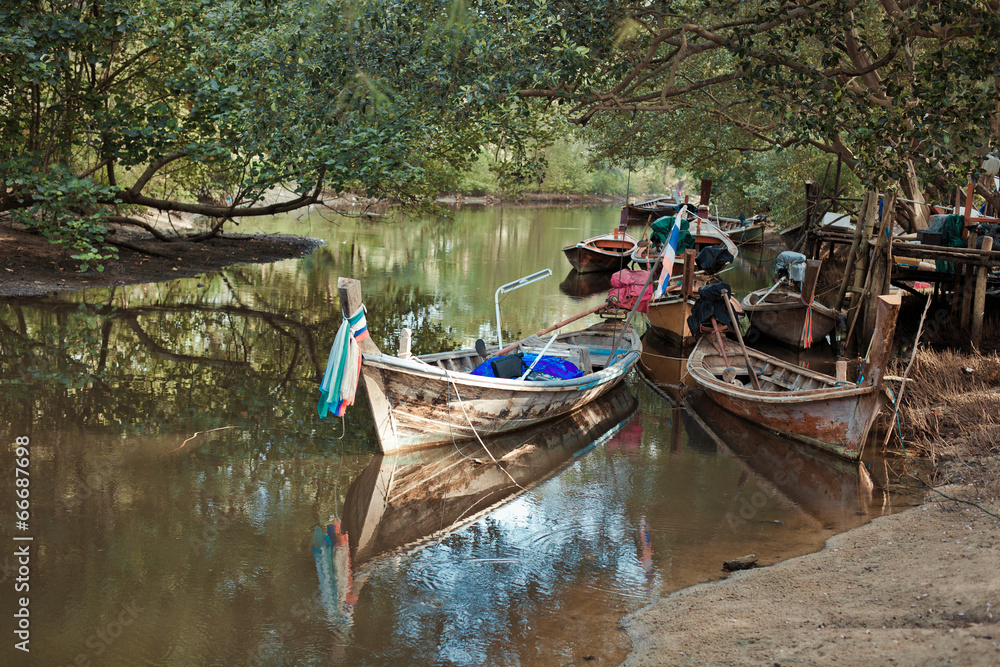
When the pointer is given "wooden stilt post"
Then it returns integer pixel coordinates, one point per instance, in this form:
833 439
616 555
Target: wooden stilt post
852 256
979 302
968 281
881 266
813 267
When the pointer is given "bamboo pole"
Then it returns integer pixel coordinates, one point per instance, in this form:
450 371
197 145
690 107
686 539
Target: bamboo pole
862 296
861 267
979 305
739 337
852 256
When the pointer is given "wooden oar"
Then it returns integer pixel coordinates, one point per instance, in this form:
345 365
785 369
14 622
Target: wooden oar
513 346
739 337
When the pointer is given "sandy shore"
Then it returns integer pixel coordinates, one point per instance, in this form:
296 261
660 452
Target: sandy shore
921 587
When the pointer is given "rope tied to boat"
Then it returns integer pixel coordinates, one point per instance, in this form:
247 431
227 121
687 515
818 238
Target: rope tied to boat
340 382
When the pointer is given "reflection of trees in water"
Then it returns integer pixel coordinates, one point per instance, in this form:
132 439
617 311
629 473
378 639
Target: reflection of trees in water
189 359
105 388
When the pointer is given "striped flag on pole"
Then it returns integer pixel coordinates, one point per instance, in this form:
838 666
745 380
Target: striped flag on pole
667 258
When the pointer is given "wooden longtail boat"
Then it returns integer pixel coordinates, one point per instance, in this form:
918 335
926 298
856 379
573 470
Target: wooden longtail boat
404 499
782 314
644 212
746 234
667 315
434 399
607 252
787 315
830 413
705 234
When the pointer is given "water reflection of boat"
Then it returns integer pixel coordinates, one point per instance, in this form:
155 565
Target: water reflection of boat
438 398
826 411
606 252
835 492
664 365
403 499
584 284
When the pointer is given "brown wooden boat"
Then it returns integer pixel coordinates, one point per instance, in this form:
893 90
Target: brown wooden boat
741 234
781 313
667 315
607 252
434 399
404 499
787 310
828 412
644 212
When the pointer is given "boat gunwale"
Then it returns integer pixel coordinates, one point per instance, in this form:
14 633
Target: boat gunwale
698 356
794 396
773 307
625 359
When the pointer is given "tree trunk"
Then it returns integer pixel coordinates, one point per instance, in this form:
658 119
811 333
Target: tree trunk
917 214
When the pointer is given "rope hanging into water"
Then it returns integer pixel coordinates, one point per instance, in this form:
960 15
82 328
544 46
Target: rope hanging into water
340 382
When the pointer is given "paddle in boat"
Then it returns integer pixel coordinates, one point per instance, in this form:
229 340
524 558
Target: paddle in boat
607 252
828 412
420 401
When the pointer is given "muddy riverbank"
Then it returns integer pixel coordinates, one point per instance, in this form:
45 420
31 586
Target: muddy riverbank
920 587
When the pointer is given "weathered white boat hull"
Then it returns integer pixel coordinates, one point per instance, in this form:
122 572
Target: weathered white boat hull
424 406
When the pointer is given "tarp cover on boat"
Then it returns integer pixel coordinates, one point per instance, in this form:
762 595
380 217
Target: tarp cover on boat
547 368
792 264
709 305
713 258
659 232
949 226
626 287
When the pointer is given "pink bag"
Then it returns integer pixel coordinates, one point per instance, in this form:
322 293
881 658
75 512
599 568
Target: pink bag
626 287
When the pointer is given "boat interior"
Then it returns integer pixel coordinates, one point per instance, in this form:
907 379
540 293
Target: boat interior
588 351
773 374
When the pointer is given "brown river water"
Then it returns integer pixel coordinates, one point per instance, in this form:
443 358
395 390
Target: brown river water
188 506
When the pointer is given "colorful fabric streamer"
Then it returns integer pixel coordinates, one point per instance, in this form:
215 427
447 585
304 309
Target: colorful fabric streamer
667 260
807 325
340 382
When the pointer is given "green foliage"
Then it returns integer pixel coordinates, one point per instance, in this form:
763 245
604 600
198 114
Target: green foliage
894 91
170 104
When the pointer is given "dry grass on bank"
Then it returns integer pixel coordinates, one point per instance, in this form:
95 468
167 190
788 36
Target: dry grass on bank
951 409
